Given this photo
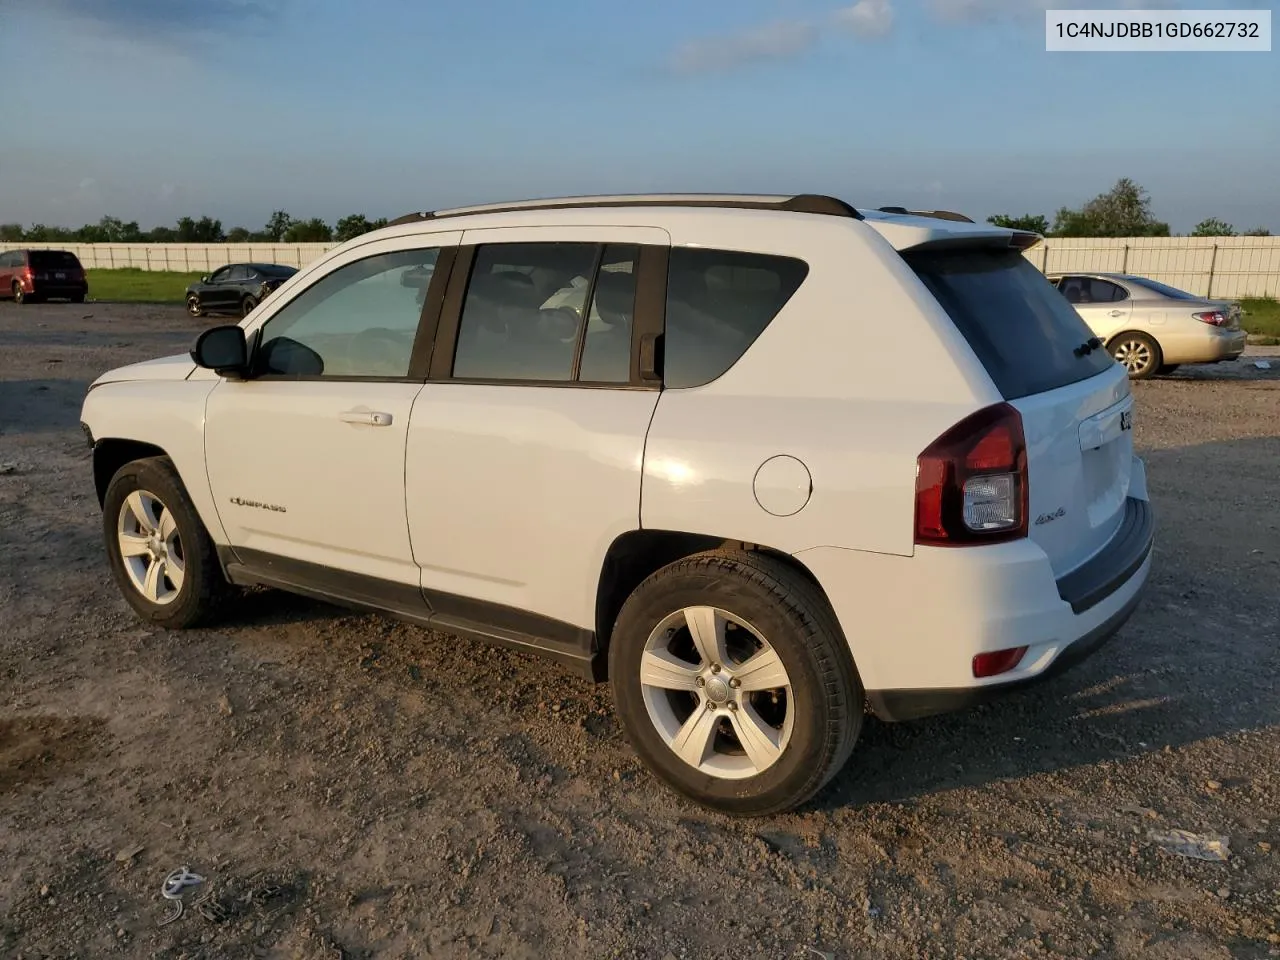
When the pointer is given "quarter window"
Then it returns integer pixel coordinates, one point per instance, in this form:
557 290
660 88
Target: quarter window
359 321
548 312
718 303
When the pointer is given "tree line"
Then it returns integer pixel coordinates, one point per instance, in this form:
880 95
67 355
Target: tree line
281 228
1123 211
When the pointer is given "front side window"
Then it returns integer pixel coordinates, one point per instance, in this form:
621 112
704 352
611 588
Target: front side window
358 321
236 275
718 303
548 312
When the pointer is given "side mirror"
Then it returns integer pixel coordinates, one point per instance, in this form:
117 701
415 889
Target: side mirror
205 278
222 350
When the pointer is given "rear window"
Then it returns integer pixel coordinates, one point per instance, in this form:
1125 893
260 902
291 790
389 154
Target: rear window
53 260
1022 329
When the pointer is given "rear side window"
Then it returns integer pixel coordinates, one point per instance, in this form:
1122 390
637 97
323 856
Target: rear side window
718 303
1023 331
53 260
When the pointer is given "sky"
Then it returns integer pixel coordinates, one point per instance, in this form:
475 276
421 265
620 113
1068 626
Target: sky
150 110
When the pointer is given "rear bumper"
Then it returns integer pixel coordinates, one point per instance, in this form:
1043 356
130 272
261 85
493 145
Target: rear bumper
58 289
896 706
914 624
1215 346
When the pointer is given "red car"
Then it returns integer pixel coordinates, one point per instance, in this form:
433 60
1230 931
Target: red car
31 275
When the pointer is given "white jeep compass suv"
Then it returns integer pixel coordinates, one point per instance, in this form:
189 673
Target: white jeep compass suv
761 462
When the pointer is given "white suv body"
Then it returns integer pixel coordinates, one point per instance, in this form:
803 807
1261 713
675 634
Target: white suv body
876 455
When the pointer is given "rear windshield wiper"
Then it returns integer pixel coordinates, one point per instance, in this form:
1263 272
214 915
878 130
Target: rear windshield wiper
1086 348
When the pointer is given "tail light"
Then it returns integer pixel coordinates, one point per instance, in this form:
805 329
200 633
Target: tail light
1214 318
971 483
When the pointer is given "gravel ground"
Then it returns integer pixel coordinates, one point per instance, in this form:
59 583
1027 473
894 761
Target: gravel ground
352 787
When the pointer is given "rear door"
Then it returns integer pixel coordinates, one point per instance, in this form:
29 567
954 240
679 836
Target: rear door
1075 403
525 447
1105 306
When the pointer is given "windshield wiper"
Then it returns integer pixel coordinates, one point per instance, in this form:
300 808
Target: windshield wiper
1090 345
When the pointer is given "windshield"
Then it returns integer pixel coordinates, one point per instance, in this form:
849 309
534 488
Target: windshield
1022 329
1172 293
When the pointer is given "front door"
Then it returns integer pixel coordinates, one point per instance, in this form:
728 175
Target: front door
306 457
526 446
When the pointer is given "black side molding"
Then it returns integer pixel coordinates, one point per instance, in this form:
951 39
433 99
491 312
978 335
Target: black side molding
1102 575
564 643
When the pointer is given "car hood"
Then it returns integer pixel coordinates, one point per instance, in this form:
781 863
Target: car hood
177 367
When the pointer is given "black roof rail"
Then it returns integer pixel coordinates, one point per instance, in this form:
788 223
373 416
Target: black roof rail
800 203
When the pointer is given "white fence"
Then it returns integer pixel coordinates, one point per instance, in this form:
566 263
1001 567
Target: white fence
1215 266
1224 267
182 257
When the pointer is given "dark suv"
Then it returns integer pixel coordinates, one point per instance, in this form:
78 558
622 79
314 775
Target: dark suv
31 275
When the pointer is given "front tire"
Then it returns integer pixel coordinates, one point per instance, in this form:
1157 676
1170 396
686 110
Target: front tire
161 556
734 684
1138 353
193 306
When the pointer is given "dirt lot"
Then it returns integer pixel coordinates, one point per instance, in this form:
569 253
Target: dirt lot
353 787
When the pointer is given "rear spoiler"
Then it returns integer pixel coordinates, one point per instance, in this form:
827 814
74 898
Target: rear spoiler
914 232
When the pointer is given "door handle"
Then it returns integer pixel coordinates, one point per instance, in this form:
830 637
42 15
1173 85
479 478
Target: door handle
1117 313
367 417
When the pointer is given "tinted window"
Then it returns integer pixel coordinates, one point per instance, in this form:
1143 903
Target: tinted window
1022 331
273 270
219 275
606 349
523 311
718 302
359 321
1162 288
8 259
53 260
236 274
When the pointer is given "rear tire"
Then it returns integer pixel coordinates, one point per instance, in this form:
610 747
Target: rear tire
161 556
19 296
247 305
768 737
1138 353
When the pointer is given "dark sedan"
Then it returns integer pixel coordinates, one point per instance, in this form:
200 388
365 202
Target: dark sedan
236 288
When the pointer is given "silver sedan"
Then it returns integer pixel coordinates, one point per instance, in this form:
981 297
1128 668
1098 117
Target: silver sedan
1151 327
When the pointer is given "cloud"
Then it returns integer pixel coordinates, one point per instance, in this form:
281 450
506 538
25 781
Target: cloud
781 40
971 11
163 17
870 19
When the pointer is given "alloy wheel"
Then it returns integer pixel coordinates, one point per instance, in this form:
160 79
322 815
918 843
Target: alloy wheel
717 692
1134 355
147 535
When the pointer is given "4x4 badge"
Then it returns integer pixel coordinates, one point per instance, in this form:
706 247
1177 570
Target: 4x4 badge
1126 420
1050 517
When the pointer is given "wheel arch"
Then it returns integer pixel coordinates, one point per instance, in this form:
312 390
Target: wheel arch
112 453
637 554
